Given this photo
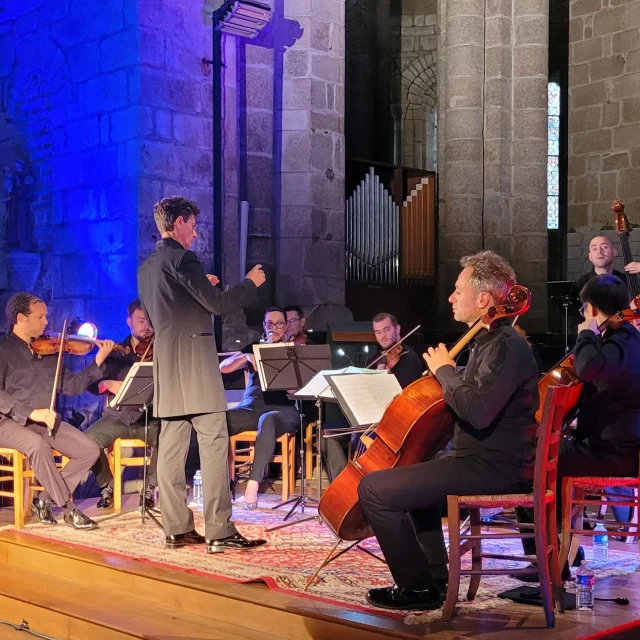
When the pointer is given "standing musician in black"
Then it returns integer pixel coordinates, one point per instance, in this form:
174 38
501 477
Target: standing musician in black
127 422
494 401
26 424
402 361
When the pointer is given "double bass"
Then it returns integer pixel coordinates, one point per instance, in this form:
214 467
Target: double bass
416 425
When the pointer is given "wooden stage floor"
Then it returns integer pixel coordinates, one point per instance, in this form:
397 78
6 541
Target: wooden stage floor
70 593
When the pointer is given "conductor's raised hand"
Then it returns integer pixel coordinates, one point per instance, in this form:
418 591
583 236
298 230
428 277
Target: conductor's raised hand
437 357
257 276
214 280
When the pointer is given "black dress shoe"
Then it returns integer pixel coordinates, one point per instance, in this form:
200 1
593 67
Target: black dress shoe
236 541
401 599
42 509
535 577
148 498
106 500
183 539
76 519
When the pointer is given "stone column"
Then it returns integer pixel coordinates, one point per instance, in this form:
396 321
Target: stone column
494 150
311 197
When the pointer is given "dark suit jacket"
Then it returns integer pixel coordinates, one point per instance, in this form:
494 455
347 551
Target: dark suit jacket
179 301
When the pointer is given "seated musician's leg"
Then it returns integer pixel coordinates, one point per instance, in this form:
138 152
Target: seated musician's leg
334 450
105 432
136 431
402 507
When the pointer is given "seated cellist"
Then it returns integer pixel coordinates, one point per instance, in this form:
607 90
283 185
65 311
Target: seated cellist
494 400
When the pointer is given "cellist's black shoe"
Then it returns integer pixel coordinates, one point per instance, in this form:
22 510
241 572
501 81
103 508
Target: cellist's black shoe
401 599
183 539
42 509
237 541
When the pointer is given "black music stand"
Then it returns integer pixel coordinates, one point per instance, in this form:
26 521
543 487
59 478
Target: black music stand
137 391
285 367
563 292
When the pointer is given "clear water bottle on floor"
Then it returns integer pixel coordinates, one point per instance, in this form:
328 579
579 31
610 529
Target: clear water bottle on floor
585 584
197 488
600 544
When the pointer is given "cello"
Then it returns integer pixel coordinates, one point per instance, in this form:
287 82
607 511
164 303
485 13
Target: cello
416 425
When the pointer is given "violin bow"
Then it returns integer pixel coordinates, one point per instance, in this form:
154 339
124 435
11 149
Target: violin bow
393 346
56 380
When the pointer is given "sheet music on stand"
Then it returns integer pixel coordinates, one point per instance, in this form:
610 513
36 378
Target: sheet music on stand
284 365
137 387
364 398
318 386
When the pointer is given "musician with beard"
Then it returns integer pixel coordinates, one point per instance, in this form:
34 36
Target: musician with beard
127 422
270 413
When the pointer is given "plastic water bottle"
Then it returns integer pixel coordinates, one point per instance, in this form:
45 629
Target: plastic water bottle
600 544
197 488
585 583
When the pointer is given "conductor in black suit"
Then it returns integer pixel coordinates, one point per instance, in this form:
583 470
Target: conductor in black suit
179 300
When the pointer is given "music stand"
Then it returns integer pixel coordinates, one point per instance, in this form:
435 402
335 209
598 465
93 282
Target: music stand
137 391
285 367
563 292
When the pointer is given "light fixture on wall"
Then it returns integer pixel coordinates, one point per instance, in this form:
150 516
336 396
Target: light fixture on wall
245 18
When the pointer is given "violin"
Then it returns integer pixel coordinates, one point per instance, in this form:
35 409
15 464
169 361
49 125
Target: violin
49 344
144 350
564 372
393 357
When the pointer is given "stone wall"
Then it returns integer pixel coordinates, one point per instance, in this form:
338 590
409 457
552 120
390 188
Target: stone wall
604 112
419 98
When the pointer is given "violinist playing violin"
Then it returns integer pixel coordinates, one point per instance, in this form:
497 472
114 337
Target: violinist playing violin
26 422
402 361
295 325
607 359
128 422
494 400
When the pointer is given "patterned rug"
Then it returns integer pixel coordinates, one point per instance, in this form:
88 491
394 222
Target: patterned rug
290 559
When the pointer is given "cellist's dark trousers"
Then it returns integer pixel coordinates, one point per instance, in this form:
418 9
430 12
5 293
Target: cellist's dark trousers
402 505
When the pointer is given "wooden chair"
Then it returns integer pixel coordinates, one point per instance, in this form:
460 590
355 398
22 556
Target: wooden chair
14 467
286 458
589 491
118 463
311 452
543 501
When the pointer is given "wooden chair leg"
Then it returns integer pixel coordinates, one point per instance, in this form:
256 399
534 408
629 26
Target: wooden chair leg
286 473
18 490
630 539
117 475
555 569
308 444
542 555
476 553
453 521
292 465
567 506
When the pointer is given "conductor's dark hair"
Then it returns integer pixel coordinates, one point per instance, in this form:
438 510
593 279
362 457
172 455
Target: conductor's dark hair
606 293
168 210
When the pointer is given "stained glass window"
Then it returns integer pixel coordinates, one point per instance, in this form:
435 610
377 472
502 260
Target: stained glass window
553 160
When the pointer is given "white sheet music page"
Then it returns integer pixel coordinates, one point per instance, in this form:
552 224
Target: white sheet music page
365 397
318 387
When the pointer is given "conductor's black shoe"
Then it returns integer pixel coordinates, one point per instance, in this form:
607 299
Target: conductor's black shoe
78 520
236 541
42 509
401 599
183 539
106 499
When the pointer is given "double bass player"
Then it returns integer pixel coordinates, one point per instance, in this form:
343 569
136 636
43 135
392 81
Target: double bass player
494 401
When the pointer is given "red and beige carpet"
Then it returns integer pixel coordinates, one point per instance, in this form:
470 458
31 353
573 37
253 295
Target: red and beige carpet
289 560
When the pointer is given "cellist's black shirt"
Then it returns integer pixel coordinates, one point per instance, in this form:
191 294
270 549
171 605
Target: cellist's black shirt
494 400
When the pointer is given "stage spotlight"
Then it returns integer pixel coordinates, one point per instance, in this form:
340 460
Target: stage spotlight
83 328
244 18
